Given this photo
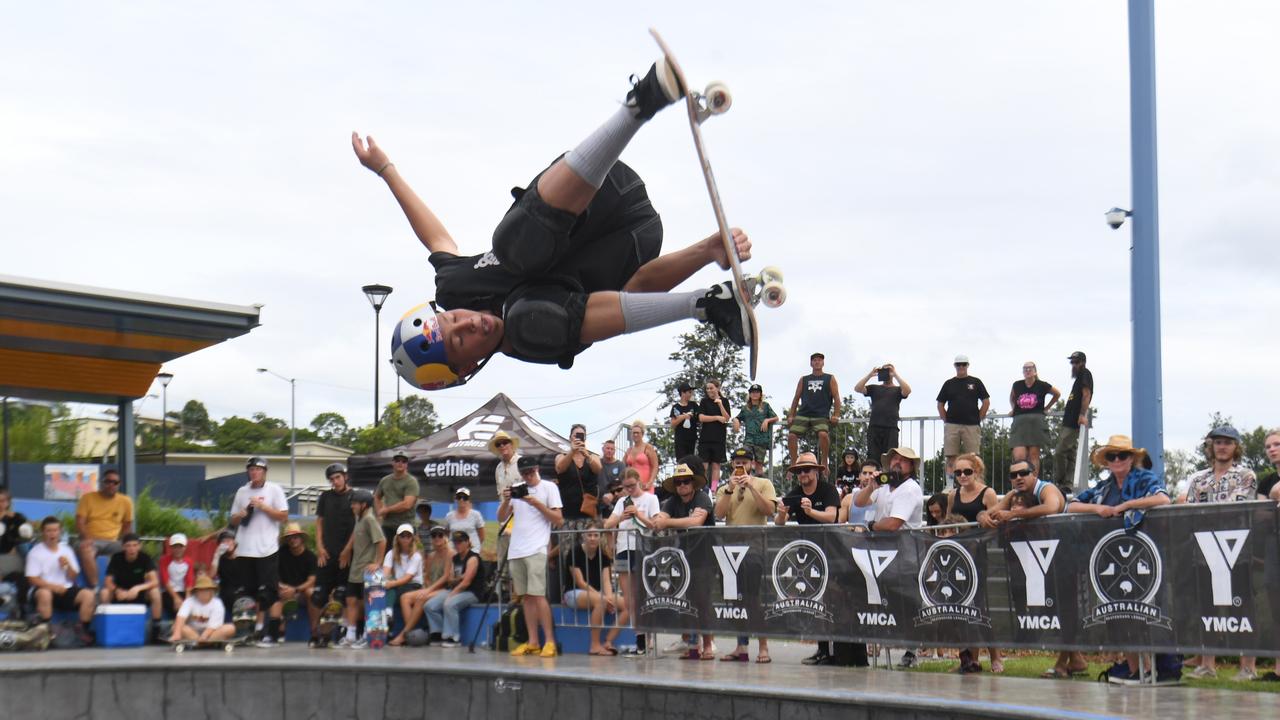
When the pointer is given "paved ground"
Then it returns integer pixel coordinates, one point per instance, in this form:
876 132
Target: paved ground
919 693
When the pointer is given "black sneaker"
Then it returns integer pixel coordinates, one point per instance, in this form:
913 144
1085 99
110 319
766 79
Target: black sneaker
721 308
658 89
908 660
818 658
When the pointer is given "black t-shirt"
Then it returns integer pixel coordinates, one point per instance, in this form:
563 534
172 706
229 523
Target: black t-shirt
128 574
1266 482
885 400
10 539
678 509
610 474
295 569
1071 412
590 567
686 435
573 482
1028 400
824 496
460 571
335 512
815 396
713 433
962 396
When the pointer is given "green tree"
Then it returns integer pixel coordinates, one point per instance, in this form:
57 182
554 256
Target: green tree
239 435
332 428
194 421
702 354
414 414
40 433
373 438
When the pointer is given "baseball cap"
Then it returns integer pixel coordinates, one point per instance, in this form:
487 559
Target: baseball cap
178 539
400 456
527 462
684 387
742 454
256 461
1077 355
962 359
437 530
1224 431
404 528
817 355
464 492
755 388
460 536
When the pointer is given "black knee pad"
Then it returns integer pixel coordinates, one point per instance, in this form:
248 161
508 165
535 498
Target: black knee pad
544 324
319 597
267 596
532 235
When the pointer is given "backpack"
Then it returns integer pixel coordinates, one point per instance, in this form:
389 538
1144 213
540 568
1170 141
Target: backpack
68 635
15 636
509 631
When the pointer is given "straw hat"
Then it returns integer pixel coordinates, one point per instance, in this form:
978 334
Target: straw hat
503 435
683 471
1119 443
902 452
293 528
204 582
804 461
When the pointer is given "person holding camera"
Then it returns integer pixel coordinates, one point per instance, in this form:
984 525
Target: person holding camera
256 513
536 507
811 502
897 496
634 511
577 473
746 500
886 400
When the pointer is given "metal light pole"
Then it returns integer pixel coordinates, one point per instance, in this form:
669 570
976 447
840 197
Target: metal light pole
293 424
164 379
1144 268
377 295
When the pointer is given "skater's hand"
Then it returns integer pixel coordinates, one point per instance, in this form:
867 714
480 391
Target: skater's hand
369 154
740 241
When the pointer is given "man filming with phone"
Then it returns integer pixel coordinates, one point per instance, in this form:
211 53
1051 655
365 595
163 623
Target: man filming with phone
897 495
886 399
536 507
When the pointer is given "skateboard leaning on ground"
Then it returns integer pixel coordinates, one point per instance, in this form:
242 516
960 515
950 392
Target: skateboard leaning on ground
327 626
376 615
766 286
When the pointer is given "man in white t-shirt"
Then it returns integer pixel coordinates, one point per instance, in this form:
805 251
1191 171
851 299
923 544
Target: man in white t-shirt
256 513
202 616
536 511
898 498
52 569
506 472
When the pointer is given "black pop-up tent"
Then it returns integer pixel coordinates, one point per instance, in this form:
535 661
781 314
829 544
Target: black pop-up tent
458 455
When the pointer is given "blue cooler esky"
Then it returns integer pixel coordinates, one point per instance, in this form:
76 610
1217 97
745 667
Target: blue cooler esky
931 177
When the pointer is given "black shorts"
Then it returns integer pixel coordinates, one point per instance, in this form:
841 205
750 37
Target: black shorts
355 590
261 577
686 447
66 602
330 577
712 452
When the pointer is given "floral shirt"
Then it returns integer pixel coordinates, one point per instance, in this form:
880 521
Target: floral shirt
1236 484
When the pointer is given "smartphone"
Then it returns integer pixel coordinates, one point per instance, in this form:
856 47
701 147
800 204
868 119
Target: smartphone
883 374
628 501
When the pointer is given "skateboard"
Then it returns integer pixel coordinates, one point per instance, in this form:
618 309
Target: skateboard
376 615
327 626
767 286
181 646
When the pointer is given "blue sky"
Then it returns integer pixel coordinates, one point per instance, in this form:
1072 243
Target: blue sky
930 176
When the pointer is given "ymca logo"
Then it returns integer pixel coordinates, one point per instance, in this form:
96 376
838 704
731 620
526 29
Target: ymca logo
948 583
729 558
799 580
1125 571
665 574
872 563
1221 550
1035 557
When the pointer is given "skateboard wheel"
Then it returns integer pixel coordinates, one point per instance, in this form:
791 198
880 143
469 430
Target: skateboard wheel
717 97
178 648
774 294
771 273
229 648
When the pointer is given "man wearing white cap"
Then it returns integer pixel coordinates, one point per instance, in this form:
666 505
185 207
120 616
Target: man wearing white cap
177 574
963 403
256 513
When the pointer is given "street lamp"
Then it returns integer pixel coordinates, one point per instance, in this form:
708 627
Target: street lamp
164 379
293 424
377 295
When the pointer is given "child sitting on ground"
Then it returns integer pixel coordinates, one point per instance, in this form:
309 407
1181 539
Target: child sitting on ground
202 616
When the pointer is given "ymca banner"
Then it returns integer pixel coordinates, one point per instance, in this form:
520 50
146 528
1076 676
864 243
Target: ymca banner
1190 578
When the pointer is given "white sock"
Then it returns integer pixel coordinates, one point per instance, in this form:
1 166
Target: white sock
595 155
641 311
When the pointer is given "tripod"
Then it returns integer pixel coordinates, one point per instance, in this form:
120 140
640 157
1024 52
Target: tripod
491 587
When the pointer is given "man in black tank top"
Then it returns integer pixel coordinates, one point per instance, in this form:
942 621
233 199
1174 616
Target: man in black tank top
815 408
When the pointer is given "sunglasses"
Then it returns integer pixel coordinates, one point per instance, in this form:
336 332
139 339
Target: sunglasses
1014 474
406 534
1114 456
502 443
461 497
962 364
964 472
682 481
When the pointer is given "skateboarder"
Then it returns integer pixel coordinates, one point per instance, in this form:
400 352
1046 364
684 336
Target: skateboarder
574 261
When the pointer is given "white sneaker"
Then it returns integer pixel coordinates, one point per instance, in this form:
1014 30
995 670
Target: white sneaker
267 642
449 643
676 648
360 644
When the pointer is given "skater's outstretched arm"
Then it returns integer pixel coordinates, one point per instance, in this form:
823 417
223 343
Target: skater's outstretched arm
667 271
430 231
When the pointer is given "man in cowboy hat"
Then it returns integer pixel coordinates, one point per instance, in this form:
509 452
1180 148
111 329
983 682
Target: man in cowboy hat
688 507
506 472
1130 486
297 575
897 496
395 497
813 502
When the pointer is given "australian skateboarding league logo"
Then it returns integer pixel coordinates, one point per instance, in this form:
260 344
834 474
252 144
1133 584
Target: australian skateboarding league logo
1125 570
948 585
665 574
799 579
